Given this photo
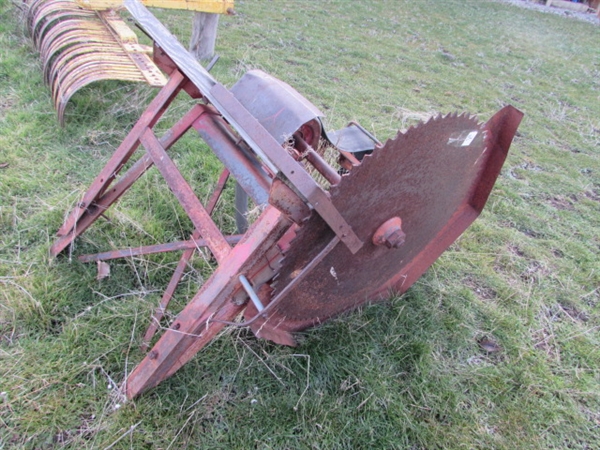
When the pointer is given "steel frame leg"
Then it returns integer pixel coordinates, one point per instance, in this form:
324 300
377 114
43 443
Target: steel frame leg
203 316
220 299
179 270
97 198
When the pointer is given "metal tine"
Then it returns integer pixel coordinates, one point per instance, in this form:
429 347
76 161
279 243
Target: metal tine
77 47
51 70
71 49
68 57
92 68
90 62
85 34
62 104
55 63
70 39
47 19
39 16
66 38
34 8
68 92
31 7
33 11
84 23
70 42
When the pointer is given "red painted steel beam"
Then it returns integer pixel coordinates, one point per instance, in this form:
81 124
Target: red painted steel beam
192 244
249 128
188 200
148 119
181 265
186 336
110 196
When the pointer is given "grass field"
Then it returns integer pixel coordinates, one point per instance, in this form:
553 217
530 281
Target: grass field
496 346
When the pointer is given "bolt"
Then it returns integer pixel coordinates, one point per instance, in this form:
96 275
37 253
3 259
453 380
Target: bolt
153 354
390 234
395 239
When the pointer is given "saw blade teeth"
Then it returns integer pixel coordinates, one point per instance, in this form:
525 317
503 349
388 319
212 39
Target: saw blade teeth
391 142
386 164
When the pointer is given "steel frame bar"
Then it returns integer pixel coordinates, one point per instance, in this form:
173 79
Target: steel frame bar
255 135
184 193
251 256
192 244
155 110
192 328
181 266
110 196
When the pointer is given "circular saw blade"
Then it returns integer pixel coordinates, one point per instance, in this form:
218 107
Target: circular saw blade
427 177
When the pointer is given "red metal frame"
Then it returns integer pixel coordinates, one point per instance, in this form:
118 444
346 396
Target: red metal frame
255 254
379 233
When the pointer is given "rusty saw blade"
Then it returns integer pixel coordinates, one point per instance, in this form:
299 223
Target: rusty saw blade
433 180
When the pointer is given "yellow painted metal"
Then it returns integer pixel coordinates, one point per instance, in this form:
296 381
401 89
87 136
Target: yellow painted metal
209 6
79 46
83 41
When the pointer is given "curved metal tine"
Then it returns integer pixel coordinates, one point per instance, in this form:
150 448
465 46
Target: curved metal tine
88 63
52 13
84 81
70 39
52 70
71 35
72 28
51 22
43 18
32 6
54 65
53 41
33 12
62 105
98 60
55 11
117 68
63 47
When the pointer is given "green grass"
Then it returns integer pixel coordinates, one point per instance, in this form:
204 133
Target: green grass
409 373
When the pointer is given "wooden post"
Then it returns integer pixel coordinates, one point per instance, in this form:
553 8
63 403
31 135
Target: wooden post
204 35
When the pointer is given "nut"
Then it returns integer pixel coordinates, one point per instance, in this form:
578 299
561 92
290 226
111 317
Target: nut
390 234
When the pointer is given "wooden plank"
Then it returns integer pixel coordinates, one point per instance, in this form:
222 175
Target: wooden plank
204 35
